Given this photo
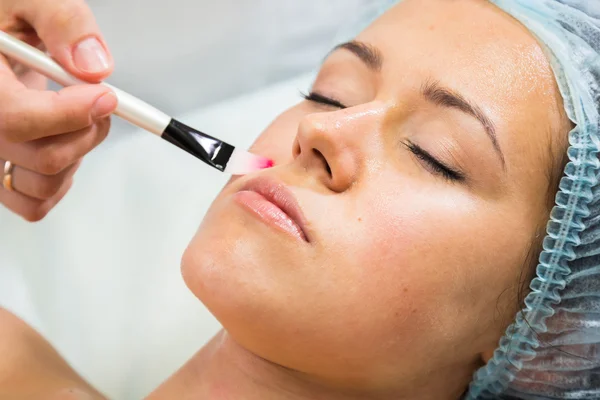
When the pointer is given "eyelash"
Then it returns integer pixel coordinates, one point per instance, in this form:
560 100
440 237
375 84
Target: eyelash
437 166
324 100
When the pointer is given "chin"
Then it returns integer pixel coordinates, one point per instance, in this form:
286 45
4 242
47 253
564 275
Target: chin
236 266
263 287
247 275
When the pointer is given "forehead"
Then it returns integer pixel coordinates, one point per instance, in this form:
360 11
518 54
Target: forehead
475 48
469 44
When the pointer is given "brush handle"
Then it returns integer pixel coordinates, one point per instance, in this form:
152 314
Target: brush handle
129 107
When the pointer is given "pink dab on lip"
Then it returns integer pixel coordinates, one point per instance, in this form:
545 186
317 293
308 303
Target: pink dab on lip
265 163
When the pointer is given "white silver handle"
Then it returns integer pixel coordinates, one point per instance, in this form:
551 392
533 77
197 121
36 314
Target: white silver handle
129 107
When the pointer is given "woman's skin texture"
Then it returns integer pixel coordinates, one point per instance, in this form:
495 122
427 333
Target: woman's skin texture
422 163
31 369
422 191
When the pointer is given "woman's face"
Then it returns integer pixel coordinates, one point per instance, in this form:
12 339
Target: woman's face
421 192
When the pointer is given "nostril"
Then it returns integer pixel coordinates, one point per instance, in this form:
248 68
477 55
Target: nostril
320 156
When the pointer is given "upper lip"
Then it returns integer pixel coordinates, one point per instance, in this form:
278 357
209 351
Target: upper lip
278 194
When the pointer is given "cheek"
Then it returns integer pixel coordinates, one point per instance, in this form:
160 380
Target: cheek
276 141
411 256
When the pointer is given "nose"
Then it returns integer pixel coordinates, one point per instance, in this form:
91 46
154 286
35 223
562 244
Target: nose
334 146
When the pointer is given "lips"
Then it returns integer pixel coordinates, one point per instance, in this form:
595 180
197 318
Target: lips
273 202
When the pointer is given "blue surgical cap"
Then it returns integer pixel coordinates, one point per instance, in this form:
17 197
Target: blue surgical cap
552 349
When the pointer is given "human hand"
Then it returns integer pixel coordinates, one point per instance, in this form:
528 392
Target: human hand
45 134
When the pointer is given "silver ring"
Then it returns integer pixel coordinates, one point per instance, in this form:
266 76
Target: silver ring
7 179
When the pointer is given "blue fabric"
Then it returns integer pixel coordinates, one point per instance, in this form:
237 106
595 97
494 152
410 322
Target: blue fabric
552 350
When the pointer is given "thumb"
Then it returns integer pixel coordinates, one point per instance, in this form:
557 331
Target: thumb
70 33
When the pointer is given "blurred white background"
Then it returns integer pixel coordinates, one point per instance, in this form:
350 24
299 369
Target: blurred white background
100 276
185 54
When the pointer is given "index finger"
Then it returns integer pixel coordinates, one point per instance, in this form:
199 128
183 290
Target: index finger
27 115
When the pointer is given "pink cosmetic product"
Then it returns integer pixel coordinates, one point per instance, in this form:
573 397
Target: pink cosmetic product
214 152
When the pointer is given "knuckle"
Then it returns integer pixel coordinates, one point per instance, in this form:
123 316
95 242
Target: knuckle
47 187
104 124
65 14
71 114
62 116
37 212
103 127
14 125
51 162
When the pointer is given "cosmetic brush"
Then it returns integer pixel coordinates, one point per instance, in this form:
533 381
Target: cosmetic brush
214 152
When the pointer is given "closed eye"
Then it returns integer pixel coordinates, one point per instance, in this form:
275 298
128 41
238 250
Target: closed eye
324 100
433 164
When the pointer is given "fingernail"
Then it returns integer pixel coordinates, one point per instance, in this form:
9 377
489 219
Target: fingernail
104 106
89 56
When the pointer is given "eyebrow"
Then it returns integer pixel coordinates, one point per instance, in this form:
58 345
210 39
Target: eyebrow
371 56
431 90
445 97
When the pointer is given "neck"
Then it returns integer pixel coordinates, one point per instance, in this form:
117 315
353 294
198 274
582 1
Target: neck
224 370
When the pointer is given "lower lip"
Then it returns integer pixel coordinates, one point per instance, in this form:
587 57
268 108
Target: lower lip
268 212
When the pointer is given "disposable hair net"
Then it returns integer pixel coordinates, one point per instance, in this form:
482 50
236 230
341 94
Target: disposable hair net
552 350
